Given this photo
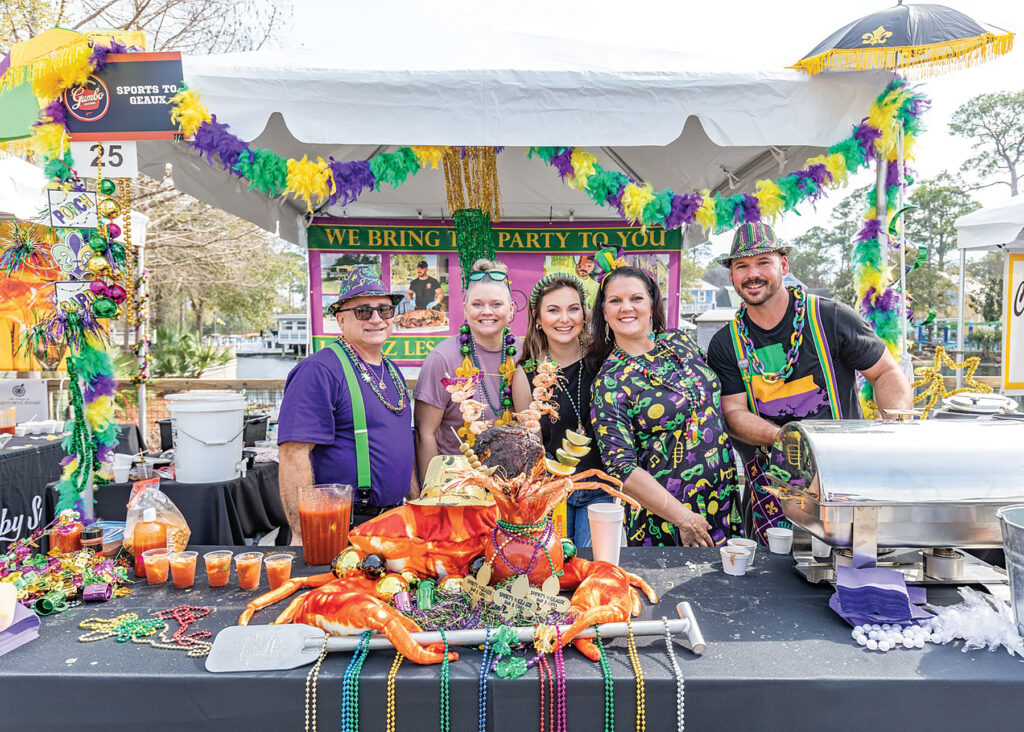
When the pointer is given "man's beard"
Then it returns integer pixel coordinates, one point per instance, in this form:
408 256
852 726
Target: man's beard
768 289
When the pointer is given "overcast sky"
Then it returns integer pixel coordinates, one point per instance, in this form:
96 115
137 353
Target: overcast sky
761 34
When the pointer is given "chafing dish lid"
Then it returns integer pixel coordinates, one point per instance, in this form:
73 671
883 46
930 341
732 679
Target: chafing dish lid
925 461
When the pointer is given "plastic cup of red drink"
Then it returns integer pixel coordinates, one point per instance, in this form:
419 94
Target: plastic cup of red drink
218 567
183 569
279 569
155 561
247 567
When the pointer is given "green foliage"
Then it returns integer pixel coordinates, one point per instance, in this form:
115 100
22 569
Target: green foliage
939 202
988 272
987 340
179 354
994 123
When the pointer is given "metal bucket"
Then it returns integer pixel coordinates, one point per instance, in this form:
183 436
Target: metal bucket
1011 519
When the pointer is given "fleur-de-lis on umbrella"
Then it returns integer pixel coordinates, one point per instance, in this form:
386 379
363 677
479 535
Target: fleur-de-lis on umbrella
877 36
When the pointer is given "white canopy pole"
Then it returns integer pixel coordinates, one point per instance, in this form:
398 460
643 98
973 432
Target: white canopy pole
905 362
960 307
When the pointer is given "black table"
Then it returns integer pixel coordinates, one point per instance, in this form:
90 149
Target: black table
777 659
227 512
27 465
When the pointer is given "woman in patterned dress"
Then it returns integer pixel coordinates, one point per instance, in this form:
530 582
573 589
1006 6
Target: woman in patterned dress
657 420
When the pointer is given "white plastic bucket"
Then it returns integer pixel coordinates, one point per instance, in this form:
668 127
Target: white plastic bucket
206 428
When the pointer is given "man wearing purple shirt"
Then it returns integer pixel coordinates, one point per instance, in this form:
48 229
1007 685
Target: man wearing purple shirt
316 430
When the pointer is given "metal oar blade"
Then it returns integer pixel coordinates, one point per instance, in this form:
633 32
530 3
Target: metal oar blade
264 647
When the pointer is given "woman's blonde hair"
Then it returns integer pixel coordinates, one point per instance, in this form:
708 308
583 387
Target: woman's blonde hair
488 265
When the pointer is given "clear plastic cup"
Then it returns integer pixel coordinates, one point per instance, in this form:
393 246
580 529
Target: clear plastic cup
218 567
279 569
183 569
155 562
325 511
247 567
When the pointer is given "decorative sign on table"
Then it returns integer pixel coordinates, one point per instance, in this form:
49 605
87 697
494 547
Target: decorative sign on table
128 100
72 209
518 598
27 396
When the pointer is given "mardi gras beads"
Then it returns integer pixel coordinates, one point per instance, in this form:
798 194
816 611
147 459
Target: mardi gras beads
389 720
609 685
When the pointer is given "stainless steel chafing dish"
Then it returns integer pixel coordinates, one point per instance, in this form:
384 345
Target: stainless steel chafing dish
911 495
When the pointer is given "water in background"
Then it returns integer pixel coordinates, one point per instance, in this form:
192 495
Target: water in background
264 367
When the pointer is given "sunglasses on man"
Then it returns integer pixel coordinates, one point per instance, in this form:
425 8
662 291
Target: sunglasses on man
495 274
365 312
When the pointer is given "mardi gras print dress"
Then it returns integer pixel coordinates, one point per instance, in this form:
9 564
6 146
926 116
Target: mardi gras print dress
661 412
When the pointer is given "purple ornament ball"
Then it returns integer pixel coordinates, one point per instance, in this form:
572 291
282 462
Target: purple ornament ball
97 287
114 230
117 293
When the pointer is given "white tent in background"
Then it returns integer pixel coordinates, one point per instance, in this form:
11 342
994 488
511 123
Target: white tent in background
663 117
993 228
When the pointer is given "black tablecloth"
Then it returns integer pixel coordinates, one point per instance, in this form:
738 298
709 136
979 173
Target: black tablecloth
777 659
27 465
225 513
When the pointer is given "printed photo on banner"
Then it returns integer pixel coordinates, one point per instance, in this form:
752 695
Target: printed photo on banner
330 323
656 265
581 265
333 266
422 280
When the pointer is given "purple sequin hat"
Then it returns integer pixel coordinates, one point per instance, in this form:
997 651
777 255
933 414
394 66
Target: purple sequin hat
751 240
360 282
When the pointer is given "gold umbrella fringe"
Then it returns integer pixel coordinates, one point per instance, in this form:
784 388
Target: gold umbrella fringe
916 62
471 180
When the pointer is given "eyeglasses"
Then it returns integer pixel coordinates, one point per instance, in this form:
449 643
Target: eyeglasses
365 312
495 274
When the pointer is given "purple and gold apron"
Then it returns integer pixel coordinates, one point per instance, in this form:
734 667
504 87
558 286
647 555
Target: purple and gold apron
766 511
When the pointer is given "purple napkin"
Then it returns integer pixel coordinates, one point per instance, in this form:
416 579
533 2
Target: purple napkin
23 629
876 595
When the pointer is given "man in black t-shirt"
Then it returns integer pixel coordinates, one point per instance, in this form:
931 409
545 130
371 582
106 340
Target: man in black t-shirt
769 378
424 286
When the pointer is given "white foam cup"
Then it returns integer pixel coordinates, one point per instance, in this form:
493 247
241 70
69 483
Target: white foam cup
735 560
748 544
780 541
606 530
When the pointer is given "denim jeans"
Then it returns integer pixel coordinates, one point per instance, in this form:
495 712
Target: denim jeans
577 523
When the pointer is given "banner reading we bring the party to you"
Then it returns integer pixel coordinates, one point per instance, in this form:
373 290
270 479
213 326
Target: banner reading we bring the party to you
419 260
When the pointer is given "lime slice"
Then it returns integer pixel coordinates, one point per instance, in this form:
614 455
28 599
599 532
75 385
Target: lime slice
556 468
576 438
565 458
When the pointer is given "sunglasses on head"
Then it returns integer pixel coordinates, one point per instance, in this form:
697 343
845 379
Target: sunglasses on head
365 312
495 274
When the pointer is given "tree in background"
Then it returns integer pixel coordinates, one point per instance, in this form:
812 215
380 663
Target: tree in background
994 123
988 273
199 258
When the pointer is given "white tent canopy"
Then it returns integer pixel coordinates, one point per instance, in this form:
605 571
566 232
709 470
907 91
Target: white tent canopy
993 226
663 117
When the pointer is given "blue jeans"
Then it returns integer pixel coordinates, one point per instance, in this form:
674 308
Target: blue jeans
577 523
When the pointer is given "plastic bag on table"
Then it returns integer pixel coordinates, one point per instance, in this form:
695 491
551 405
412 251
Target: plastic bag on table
147 494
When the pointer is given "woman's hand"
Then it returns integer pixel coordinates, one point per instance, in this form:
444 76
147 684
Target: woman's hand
693 529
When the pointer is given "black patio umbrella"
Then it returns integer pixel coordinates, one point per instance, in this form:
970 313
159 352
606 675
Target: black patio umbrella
921 38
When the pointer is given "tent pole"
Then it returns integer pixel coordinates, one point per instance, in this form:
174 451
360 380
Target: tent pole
901 240
141 332
960 307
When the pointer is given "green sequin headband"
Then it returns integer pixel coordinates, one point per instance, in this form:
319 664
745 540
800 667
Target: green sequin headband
551 279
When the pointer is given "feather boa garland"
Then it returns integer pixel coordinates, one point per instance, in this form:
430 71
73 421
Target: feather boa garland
876 135
879 303
315 182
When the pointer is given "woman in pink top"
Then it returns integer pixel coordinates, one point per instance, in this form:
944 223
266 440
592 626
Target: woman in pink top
485 339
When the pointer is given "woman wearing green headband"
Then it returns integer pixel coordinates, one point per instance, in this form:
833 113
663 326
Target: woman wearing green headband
557 332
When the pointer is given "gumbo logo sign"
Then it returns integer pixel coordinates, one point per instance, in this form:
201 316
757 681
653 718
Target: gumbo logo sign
89 102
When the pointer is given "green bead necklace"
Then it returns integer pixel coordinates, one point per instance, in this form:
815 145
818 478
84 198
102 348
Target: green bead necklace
446 721
609 687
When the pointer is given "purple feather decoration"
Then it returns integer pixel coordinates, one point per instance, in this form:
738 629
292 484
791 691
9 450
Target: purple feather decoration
615 200
66 460
870 231
351 178
105 453
54 112
819 173
679 208
892 175
98 58
213 138
101 385
749 208
866 135
563 162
